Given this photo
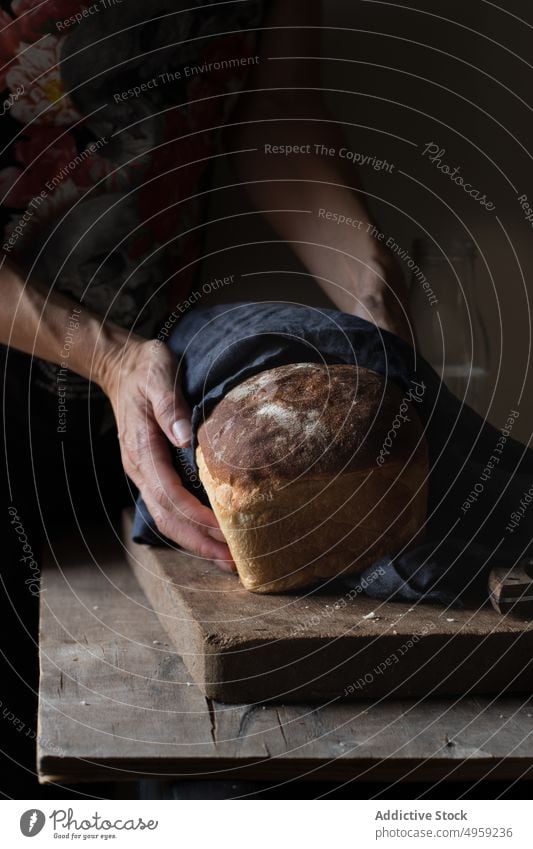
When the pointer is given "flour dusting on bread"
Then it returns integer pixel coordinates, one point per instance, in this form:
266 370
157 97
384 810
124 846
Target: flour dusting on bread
287 459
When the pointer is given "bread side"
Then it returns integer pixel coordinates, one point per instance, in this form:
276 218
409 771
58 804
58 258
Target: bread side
288 460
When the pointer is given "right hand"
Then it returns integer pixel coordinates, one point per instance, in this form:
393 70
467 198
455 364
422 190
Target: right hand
142 383
381 296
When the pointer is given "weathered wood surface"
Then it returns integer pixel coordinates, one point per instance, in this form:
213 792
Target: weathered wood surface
511 589
117 703
244 647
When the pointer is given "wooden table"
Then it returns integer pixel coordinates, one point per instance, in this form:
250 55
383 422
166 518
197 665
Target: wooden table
323 643
117 704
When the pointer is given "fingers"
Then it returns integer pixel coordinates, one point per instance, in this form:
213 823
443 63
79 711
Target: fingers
189 537
216 533
172 412
149 407
226 566
177 514
182 432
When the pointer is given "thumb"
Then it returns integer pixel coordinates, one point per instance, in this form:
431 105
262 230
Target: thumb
173 415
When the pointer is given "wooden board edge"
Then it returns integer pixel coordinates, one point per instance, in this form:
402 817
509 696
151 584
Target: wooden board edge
186 646
409 770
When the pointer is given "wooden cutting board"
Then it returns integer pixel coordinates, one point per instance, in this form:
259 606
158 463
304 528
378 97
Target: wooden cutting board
322 645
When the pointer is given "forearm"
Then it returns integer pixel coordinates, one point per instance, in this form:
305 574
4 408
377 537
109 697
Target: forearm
313 182
336 254
282 106
317 206
38 322
140 380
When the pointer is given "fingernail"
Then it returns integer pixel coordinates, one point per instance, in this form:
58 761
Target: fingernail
216 533
225 565
182 430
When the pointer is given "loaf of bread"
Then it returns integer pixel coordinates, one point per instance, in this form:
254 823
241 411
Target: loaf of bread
307 476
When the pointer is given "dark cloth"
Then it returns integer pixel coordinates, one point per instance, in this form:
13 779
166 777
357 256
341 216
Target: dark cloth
470 502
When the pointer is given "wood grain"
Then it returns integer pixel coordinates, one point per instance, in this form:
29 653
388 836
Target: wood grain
117 703
243 647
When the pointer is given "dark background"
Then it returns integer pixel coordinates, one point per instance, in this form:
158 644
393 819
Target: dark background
399 76
455 73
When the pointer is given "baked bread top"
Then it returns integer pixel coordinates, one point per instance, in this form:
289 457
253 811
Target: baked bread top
307 419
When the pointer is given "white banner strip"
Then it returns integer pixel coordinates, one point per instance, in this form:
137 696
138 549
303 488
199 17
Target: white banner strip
264 824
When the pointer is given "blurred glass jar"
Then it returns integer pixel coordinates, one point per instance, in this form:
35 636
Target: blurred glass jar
449 327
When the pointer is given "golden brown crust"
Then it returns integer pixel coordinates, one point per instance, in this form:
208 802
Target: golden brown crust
303 419
311 531
289 462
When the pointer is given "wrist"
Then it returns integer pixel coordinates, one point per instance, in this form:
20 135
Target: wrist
114 350
378 273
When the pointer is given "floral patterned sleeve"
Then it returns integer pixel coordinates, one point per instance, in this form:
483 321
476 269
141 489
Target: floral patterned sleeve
109 122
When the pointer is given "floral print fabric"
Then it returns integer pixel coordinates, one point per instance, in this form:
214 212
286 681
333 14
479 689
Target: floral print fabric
109 122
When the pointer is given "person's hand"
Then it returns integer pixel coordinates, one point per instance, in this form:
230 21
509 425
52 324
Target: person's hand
381 297
143 386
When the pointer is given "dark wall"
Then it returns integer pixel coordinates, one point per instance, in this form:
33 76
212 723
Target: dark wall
457 74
